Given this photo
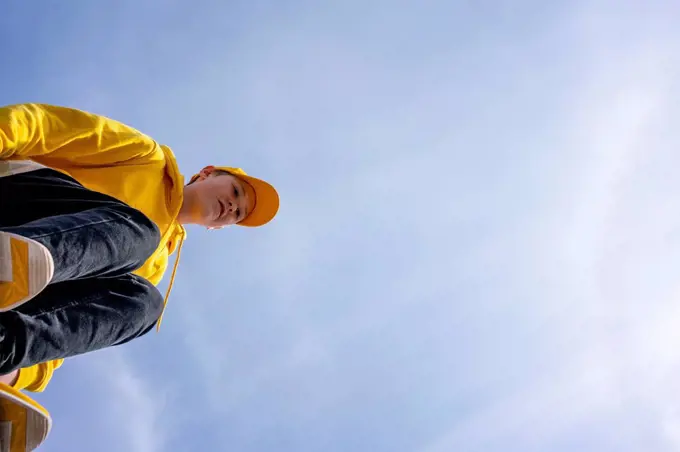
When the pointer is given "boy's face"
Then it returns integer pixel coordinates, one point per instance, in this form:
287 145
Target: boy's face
218 200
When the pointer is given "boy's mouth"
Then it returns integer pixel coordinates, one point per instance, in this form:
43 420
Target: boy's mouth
221 210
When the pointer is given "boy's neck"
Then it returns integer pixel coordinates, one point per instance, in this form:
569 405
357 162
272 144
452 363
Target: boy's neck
184 215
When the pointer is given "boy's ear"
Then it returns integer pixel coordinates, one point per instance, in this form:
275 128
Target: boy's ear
206 172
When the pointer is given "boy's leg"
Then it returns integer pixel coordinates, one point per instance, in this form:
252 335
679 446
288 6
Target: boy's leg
93 301
87 234
103 241
76 317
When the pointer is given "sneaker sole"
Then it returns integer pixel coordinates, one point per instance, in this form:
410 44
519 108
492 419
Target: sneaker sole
24 423
26 268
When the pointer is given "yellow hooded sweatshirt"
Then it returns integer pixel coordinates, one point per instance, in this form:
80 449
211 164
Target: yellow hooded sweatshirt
106 156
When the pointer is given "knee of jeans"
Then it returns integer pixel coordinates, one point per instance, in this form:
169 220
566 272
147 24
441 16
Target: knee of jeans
148 308
144 235
152 308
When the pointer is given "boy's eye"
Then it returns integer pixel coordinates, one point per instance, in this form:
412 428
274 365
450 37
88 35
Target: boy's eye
235 191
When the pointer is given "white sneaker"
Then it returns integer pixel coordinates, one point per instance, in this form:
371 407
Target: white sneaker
26 268
24 423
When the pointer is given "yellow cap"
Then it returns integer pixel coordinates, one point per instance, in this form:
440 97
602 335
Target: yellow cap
266 198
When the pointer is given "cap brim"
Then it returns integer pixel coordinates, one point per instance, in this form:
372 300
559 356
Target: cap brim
266 202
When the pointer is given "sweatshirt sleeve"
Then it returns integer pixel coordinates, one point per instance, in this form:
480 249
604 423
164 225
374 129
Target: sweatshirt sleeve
35 378
69 137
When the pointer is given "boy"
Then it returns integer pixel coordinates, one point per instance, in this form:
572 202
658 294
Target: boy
90 211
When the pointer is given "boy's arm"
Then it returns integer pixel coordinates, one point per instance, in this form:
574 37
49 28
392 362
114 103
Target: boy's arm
70 137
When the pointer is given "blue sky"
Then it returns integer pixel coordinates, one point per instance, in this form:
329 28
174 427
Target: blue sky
478 243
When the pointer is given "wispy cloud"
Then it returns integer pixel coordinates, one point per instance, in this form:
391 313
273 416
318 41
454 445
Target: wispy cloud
601 257
133 406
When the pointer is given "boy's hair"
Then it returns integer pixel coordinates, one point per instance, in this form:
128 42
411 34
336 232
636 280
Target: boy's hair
218 172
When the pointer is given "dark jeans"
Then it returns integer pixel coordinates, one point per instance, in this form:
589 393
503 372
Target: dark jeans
93 301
